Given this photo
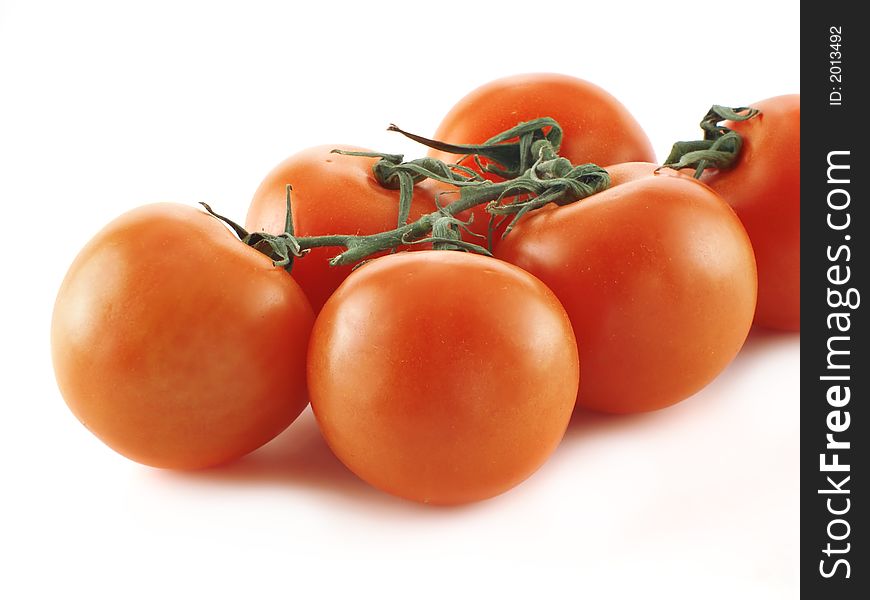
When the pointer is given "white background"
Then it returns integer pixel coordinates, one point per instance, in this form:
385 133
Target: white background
105 106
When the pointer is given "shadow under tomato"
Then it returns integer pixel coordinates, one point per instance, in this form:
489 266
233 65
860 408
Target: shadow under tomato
585 423
298 457
300 460
761 340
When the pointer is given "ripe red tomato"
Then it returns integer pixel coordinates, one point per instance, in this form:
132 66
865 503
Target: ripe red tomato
658 278
177 345
332 194
764 188
597 127
441 376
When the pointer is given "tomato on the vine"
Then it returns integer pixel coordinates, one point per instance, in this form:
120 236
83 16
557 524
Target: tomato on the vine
658 277
597 128
764 188
442 376
332 194
176 344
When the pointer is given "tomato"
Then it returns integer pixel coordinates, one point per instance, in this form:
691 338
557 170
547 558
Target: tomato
332 194
441 376
176 344
764 189
658 278
597 128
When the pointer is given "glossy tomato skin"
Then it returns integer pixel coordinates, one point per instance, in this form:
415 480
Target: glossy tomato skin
658 277
763 187
442 377
332 194
597 127
177 345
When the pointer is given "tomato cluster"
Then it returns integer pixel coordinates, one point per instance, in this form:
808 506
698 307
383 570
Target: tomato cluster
447 375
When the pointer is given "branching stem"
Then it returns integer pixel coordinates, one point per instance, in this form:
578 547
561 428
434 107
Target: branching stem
545 178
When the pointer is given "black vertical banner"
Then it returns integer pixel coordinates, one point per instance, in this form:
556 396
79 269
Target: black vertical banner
835 224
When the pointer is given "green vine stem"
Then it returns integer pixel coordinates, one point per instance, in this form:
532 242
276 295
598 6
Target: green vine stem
280 248
515 150
514 158
551 179
720 147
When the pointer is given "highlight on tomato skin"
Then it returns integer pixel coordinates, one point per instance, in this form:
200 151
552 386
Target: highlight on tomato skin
332 194
176 344
658 277
442 377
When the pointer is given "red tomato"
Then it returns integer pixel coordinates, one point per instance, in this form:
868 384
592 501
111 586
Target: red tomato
597 127
658 278
442 377
764 188
332 194
176 344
